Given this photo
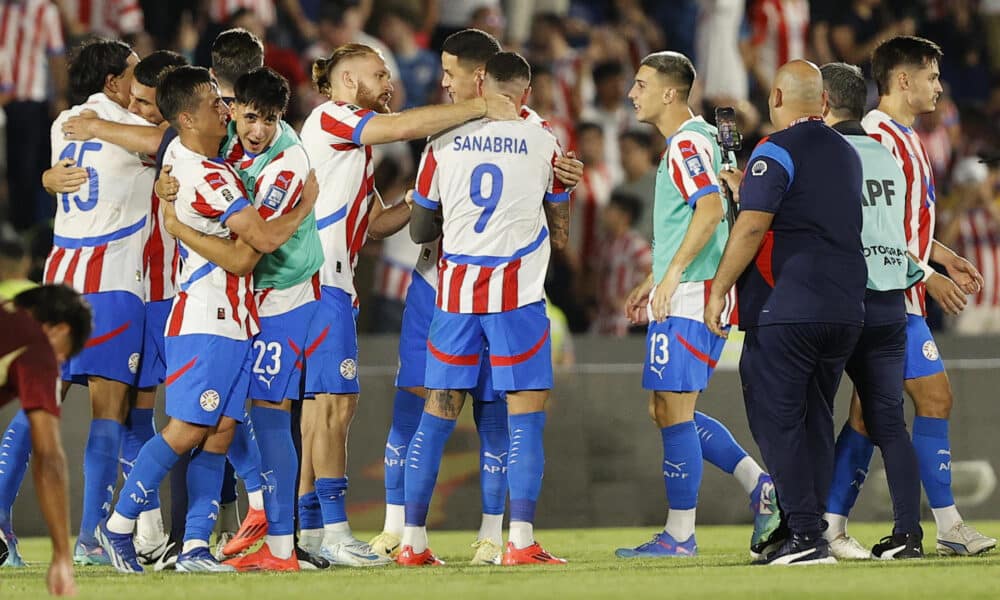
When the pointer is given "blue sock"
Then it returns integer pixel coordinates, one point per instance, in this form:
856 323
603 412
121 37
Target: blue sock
155 460
279 464
138 430
423 461
100 474
406 411
494 443
15 451
332 494
682 465
852 455
930 441
310 514
228 485
204 483
717 444
244 455
525 464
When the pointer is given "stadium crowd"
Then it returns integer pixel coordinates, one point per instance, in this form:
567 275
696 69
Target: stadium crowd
321 125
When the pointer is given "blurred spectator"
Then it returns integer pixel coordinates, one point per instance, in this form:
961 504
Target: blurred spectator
490 19
964 40
941 135
106 18
27 61
721 70
637 161
550 47
625 259
454 15
397 257
420 69
221 11
861 27
542 101
15 264
821 15
589 198
974 232
609 109
779 34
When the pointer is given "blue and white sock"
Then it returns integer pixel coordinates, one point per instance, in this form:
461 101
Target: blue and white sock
100 473
717 443
332 494
930 441
494 444
407 409
525 467
15 451
154 461
204 482
852 457
423 460
244 455
310 513
682 471
139 429
280 463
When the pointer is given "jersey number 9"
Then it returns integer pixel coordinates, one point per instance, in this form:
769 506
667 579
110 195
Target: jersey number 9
77 152
488 202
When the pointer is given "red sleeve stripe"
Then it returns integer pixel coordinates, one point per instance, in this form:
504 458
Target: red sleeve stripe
427 173
336 128
204 208
678 179
558 186
688 150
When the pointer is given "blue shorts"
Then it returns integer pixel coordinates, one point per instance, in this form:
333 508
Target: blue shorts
517 342
333 362
114 347
280 352
209 377
681 355
153 365
417 315
922 356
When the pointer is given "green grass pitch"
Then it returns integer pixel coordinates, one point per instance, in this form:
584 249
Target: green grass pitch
721 570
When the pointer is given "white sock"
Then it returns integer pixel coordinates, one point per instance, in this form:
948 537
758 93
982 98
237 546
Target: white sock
229 518
747 472
522 534
836 526
415 537
119 524
311 539
150 525
680 524
256 499
335 533
491 529
946 518
395 519
190 545
281 546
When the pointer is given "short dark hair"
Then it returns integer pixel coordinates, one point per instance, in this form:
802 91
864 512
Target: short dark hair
508 66
91 64
606 70
59 303
150 70
629 203
675 66
903 50
471 45
12 249
178 91
585 126
845 89
235 52
264 89
332 11
638 136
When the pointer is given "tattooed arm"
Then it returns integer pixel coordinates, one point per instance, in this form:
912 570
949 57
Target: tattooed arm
557 216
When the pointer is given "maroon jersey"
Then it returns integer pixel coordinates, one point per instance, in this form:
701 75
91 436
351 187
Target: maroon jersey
28 368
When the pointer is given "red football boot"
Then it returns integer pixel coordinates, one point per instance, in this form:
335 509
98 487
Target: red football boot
408 558
263 560
532 555
253 528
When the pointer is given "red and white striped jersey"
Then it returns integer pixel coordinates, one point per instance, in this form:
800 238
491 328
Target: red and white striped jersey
160 258
589 198
332 139
220 10
100 230
624 262
489 178
210 300
906 148
112 18
780 32
396 265
979 240
30 32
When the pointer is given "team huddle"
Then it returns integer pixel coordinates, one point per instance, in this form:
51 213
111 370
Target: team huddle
217 249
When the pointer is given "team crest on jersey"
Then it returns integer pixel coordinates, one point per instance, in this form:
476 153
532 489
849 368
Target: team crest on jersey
274 197
694 166
348 369
758 168
930 350
209 400
215 180
133 363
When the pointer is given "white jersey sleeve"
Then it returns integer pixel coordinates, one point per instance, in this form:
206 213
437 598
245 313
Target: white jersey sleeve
689 162
279 185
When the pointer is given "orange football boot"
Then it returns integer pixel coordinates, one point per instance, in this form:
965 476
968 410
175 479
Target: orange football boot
253 528
532 555
408 558
263 560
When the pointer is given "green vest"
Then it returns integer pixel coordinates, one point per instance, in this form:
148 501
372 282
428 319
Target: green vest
301 256
883 204
672 215
12 287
